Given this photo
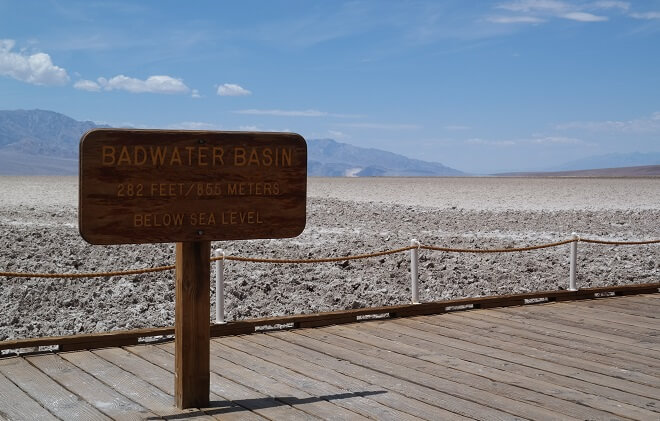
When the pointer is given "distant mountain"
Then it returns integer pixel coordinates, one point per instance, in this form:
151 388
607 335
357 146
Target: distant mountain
39 132
615 160
38 142
327 157
641 171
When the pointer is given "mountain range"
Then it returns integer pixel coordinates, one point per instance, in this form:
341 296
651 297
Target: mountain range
634 159
38 142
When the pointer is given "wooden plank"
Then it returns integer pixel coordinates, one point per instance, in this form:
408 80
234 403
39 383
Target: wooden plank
548 327
620 305
341 397
545 352
624 377
442 394
609 315
562 400
104 339
326 411
440 347
369 400
567 324
597 322
219 407
647 290
102 343
489 347
325 322
18 405
261 404
129 385
371 341
102 397
268 385
166 186
646 298
518 334
162 379
191 324
417 400
50 394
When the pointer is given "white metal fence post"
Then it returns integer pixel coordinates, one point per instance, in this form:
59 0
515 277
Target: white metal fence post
572 283
220 286
414 270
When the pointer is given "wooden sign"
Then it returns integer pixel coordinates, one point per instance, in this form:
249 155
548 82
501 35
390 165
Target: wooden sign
153 186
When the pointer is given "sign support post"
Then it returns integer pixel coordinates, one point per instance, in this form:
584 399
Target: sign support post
191 324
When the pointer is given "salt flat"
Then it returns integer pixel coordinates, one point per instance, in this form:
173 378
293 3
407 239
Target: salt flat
475 193
496 193
38 222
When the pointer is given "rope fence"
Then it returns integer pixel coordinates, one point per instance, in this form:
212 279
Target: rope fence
414 248
416 245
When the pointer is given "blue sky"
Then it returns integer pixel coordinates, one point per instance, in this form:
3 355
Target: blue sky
477 85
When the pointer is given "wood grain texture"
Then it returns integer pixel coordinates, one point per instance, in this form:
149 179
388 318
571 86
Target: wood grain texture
406 396
192 329
315 379
18 405
50 394
405 351
440 347
219 407
152 186
91 389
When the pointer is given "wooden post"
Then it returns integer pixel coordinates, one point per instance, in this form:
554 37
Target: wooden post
192 324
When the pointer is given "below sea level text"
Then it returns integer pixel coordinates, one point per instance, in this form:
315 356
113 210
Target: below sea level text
196 219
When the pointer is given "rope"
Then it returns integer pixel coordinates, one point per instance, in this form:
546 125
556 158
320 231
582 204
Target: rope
321 260
619 243
85 275
508 250
325 259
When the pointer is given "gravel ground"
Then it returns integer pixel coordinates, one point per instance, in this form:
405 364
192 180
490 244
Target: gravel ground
38 226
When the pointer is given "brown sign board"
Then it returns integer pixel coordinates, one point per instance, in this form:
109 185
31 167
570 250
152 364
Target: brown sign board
156 186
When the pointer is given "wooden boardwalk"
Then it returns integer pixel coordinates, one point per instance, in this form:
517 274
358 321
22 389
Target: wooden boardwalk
590 359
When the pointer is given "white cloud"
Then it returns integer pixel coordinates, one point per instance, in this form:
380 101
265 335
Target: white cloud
284 113
557 140
87 85
195 125
534 6
249 129
537 11
649 124
498 143
295 113
158 84
337 134
584 17
383 126
535 140
646 15
195 94
623 5
37 69
457 127
515 19
231 89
